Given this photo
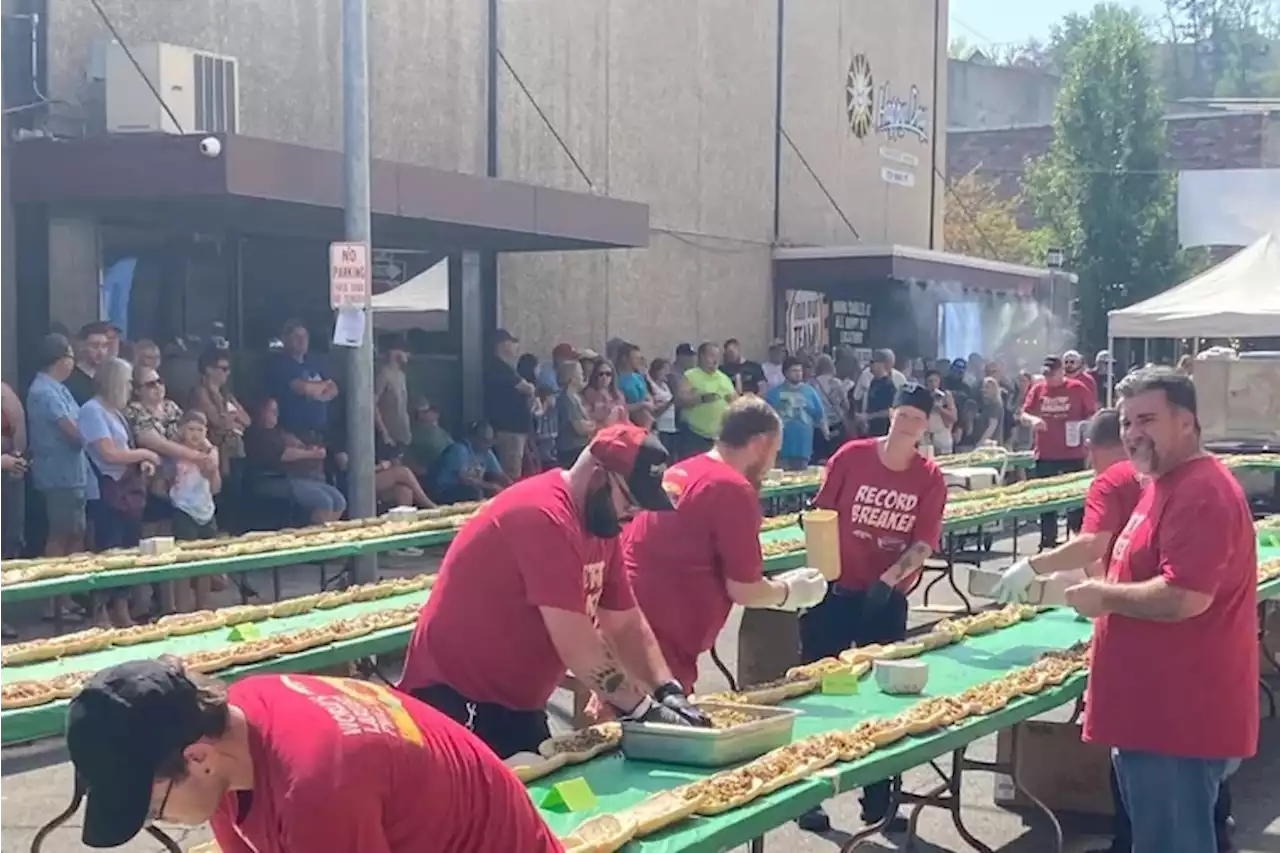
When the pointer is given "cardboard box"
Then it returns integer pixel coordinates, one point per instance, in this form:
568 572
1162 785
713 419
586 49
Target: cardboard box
1055 765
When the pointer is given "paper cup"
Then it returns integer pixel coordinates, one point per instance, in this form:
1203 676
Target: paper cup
822 542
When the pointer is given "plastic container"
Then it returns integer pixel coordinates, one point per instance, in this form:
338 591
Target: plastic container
902 676
710 747
822 542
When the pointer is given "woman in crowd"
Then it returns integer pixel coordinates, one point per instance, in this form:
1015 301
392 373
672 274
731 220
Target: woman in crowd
989 423
1021 437
573 421
122 471
282 466
154 420
605 403
226 417
834 394
146 354
664 405
942 420
540 449
395 483
633 385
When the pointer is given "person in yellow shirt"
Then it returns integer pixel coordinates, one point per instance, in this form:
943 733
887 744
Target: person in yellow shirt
706 393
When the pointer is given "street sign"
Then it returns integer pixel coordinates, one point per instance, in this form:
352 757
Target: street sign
348 274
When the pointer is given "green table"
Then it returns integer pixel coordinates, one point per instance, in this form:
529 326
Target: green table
1015 461
24 724
619 783
227 565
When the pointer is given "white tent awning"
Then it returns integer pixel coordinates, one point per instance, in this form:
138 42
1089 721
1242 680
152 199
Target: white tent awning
422 302
1238 298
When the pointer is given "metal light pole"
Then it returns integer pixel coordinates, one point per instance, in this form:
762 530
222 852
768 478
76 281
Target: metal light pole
358 228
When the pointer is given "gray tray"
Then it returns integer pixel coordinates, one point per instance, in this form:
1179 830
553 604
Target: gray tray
710 747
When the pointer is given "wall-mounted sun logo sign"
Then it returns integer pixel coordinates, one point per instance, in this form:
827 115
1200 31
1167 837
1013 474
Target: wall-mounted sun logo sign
859 96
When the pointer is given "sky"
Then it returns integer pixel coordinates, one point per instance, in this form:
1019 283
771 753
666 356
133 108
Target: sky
982 22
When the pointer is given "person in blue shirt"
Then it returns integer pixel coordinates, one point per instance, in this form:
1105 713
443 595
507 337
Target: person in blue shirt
300 386
634 385
800 408
469 469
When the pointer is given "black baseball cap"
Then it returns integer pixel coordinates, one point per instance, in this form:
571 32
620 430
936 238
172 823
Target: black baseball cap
1052 362
915 395
125 721
502 336
685 349
637 455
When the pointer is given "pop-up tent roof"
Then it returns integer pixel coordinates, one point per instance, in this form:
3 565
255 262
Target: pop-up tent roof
422 302
1239 298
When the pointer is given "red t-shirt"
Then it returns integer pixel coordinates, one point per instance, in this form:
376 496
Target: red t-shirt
882 512
353 766
1086 378
481 631
679 561
1069 403
1186 688
1110 500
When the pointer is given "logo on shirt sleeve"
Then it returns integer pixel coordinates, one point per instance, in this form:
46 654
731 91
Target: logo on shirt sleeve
593 585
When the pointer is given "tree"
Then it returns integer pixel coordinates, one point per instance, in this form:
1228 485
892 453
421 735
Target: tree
979 223
1101 188
1220 48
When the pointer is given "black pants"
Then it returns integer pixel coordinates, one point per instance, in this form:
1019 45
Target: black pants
1122 838
506 732
695 444
841 621
1049 520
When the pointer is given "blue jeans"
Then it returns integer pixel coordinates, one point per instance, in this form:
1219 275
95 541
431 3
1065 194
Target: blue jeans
1170 800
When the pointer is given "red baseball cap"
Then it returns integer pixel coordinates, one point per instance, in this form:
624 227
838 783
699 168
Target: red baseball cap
638 456
564 352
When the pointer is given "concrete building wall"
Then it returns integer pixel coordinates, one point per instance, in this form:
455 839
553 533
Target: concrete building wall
673 102
669 102
981 95
427 66
904 46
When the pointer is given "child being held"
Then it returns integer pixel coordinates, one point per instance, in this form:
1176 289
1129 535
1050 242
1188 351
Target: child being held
191 493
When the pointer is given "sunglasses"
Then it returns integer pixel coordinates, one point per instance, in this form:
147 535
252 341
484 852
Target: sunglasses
604 374
154 383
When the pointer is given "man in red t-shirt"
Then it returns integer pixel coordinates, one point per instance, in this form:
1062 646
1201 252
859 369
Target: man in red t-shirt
890 501
1073 363
1172 682
1112 495
534 584
689 567
1057 409
288 764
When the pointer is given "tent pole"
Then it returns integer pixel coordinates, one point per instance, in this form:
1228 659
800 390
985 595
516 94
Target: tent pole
1111 372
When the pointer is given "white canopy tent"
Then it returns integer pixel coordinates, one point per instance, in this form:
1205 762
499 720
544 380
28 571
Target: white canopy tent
422 302
1238 298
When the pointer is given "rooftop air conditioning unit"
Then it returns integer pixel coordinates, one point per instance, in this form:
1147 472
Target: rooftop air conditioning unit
201 89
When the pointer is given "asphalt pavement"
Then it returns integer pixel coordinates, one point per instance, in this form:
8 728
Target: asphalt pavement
36 780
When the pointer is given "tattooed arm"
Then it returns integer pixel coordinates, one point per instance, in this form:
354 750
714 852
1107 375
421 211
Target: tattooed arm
585 654
911 560
628 633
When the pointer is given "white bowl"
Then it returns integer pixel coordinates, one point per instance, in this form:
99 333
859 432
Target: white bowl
901 676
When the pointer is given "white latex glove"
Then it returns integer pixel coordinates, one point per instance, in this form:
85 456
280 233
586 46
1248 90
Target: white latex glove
1014 582
805 588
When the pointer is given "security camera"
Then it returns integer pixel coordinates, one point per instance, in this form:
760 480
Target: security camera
210 146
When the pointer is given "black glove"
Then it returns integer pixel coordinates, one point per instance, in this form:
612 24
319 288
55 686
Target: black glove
878 595
671 695
649 711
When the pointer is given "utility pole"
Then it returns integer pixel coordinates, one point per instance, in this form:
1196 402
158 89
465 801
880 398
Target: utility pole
359 229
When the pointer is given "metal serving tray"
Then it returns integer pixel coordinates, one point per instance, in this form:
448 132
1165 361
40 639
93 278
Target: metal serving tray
710 747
